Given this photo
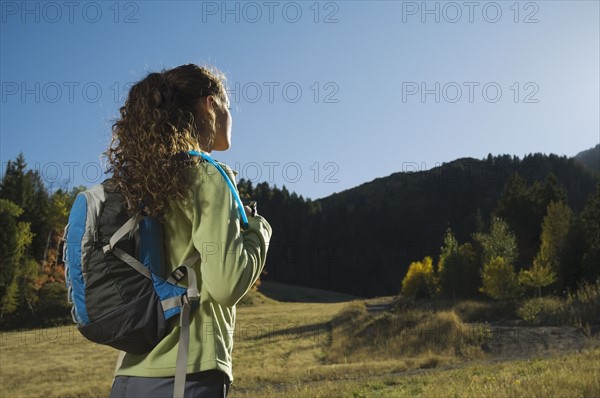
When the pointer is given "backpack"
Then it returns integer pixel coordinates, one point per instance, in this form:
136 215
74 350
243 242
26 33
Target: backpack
113 271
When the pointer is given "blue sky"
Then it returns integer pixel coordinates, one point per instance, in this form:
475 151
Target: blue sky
326 95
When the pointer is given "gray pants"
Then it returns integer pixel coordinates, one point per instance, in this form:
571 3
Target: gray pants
210 384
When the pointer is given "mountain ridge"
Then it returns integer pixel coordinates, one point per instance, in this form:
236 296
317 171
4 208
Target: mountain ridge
590 158
360 241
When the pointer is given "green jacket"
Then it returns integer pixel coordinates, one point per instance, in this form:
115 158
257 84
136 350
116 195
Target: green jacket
231 261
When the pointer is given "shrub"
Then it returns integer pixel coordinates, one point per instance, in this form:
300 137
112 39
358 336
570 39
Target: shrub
578 309
544 311
486 311
53 305
585 304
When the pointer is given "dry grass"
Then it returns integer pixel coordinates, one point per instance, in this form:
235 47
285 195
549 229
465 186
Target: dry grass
54 362
575 375
301 350
290 293
254 297
413 333
485 311
270 340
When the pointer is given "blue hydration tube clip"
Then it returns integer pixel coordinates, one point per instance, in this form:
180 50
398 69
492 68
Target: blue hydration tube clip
232 188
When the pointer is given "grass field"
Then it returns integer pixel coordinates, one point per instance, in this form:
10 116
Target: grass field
294 349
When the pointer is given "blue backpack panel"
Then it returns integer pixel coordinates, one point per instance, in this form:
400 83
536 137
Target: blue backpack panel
117 299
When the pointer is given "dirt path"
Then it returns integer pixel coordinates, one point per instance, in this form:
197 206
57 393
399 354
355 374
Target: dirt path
517 340
520 342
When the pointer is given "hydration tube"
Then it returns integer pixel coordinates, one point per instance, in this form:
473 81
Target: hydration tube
232 188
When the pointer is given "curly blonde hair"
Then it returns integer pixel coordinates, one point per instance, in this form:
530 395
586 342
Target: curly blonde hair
158 124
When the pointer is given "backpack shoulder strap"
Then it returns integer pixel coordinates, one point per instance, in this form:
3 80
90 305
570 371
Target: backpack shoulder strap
125 229
234 191
182 350
192 290
184 319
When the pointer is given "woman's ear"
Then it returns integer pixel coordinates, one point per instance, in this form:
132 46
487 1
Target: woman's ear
206 104
206 108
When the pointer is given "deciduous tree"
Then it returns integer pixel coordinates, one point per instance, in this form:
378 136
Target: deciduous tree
420 279
500 280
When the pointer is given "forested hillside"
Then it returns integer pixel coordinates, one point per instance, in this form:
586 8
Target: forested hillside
590 158
32 286
445 222
362 241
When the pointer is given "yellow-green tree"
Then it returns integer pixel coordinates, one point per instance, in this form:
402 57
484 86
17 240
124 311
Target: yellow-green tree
537 277
420 279
553 241
500 280
499 242
18 270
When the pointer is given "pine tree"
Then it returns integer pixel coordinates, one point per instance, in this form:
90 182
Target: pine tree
524 207
516 207
458 268
548 191
32 223
9 251
26 189
590 229
515 200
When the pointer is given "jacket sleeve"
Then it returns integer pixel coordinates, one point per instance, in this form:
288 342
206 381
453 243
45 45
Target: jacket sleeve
231 260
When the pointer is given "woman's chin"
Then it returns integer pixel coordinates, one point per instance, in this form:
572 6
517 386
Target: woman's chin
222 146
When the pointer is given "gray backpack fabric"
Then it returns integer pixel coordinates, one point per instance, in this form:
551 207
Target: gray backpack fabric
114 278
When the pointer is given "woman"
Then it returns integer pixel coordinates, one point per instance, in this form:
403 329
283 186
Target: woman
165 116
